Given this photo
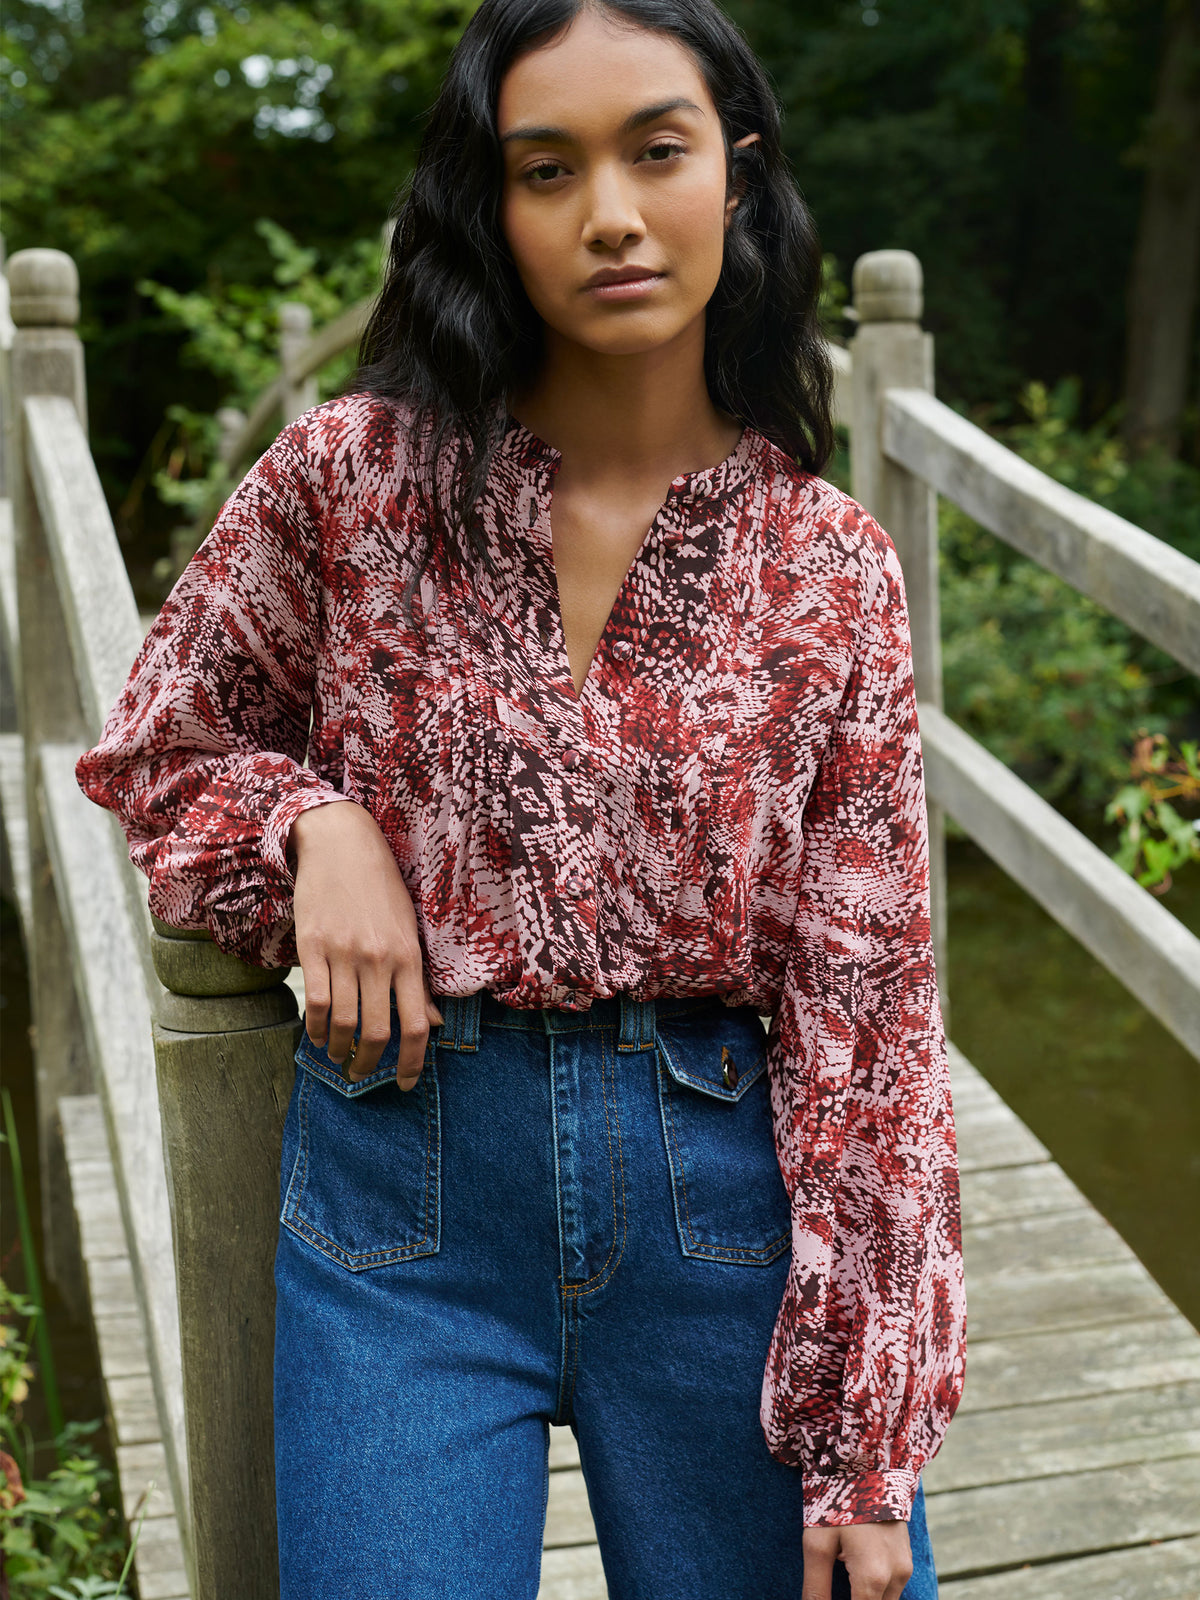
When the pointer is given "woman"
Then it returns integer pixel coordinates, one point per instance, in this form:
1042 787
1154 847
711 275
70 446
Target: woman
614 752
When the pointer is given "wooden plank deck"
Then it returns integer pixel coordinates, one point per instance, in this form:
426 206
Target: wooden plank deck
124 1358
1072 1468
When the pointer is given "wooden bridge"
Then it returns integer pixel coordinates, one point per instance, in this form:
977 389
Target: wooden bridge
163 1066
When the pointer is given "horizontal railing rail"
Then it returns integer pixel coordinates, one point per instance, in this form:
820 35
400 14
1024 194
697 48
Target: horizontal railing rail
94 589
1144 581
1108 912
102 898
906 448
332 340
107 934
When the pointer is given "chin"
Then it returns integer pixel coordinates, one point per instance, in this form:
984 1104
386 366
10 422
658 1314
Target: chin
631 337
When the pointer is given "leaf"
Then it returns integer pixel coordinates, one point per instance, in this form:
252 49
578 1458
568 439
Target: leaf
1131 802
1160 858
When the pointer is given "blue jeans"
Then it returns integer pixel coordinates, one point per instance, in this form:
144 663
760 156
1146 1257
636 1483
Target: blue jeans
575 1217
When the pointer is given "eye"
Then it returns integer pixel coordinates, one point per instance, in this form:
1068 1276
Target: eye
666 149
550 167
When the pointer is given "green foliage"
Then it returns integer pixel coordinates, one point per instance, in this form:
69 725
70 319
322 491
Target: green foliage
1032 669
233 329
1048 681
996 140
1153 491
1155 840
63 1529
149 139
835 297
233 335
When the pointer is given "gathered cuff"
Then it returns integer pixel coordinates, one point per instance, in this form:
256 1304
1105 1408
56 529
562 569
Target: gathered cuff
315 792
840 1499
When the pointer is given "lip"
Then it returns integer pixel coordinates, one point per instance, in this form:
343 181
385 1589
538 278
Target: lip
623 283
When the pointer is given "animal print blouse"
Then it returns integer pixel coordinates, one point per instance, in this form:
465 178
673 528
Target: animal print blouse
733 805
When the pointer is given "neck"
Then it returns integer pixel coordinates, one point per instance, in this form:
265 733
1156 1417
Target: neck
639 417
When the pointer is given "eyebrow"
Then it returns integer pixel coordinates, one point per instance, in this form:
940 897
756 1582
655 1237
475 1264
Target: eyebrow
636 119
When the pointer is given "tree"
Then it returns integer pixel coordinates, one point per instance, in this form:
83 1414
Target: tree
148 138
1166 261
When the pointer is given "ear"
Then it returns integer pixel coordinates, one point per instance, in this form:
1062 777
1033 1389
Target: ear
739 144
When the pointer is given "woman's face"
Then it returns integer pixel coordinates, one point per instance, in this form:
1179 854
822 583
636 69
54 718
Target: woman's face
613 158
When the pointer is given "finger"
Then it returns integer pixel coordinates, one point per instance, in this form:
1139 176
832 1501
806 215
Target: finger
818 1569
343 1011
376 1026
902 1570
869 1579
316 998
414 1022
436 1019
869 1586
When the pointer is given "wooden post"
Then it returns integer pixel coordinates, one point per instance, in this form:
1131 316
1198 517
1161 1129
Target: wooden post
224 1040
47 359
295 330
230 421
6 339
8 699
891 351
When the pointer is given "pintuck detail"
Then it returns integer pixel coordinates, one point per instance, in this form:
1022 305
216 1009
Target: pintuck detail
733 805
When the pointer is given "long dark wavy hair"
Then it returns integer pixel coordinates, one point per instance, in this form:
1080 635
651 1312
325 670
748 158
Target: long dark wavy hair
453 332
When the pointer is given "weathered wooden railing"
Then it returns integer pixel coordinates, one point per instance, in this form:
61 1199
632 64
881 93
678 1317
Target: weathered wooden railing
191 1050
907 447
86 922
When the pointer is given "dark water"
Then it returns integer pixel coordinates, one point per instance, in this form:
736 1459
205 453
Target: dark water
1109 1092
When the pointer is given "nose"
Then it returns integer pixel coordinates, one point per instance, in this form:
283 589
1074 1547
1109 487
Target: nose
612 215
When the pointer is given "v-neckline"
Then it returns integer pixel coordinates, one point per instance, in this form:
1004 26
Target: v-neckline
699 484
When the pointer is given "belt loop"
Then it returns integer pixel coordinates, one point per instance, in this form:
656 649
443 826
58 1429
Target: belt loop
637 1023
461 1013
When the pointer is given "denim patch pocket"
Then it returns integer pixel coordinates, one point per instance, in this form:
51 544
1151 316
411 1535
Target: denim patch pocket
366 1168
714 1095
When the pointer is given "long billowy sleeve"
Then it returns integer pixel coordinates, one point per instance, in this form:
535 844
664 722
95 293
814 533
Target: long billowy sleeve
201 756
868 1357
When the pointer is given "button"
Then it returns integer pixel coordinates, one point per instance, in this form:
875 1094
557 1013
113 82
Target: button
575 884
571 757
622 649
729 1071
674 535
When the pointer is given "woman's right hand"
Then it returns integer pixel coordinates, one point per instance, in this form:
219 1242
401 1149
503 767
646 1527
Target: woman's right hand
356 938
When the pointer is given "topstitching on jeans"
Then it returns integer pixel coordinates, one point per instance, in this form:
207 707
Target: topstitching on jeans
598 1279
763 1256
329 1247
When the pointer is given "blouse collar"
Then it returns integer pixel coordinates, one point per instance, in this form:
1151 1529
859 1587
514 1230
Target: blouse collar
527 452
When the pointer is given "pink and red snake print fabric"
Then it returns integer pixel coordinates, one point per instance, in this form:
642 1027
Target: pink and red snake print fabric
734 805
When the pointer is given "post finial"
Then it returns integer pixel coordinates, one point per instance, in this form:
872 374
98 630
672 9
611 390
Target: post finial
43 288
295 318
888 287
